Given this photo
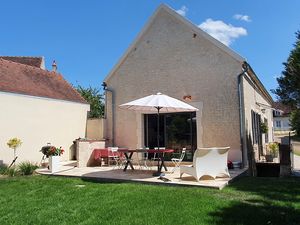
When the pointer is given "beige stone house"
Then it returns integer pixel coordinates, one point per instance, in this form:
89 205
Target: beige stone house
39 107
173 56
281 121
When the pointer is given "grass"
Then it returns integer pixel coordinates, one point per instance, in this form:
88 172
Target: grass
57 200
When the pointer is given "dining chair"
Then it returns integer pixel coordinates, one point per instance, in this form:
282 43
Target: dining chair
143 158
177 161
113 156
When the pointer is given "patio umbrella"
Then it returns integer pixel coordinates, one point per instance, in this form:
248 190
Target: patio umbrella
158 103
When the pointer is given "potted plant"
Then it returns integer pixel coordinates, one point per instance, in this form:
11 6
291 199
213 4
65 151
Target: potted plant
264 128
273 149
53 153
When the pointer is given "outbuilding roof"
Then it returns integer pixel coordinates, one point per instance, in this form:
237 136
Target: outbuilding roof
27 60
30 80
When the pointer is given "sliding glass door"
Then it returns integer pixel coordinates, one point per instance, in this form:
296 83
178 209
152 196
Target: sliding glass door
177 131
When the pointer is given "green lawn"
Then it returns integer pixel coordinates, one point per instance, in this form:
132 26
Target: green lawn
54 200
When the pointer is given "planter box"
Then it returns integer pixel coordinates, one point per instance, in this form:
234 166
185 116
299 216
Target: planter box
54 163
268 169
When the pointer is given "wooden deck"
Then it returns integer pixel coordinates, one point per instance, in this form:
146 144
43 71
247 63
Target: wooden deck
111 174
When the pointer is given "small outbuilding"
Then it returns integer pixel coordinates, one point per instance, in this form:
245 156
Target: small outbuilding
38 107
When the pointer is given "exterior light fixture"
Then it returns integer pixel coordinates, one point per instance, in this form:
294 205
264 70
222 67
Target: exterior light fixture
187 97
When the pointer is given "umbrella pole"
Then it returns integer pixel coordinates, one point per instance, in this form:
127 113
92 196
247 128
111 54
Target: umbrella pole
158 166
158 173
158 108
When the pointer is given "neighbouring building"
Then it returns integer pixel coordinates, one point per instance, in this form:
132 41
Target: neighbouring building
38 107
281 116
173 56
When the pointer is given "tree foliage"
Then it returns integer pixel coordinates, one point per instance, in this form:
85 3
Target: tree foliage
93 96
288 90
295 121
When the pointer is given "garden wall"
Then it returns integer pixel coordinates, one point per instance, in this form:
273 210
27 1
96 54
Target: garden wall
95 129
38 121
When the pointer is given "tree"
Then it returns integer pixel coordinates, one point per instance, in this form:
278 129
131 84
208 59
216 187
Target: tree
295 121
93 96
288 90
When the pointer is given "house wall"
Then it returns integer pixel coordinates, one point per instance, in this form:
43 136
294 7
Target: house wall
38 121
169 59
252 96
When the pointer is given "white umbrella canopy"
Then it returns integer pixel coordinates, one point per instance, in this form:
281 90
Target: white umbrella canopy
161 102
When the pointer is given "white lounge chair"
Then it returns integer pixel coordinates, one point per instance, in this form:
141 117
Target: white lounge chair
208 162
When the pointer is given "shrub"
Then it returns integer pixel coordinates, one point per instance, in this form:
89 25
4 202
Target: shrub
27 168
12 171
3 169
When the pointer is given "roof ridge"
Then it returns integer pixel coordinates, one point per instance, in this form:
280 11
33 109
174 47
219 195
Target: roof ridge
21 56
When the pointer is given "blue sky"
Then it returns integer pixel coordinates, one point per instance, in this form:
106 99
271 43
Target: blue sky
87 38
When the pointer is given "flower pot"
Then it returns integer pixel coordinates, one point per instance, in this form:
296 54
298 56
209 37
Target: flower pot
269 158
54 163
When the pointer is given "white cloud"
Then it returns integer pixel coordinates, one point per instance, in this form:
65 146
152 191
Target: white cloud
183 10
225 33
242 17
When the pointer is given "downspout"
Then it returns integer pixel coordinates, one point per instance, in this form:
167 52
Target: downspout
106 89
242 111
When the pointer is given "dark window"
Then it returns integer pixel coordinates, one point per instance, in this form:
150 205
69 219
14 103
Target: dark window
177 131
254 127
256 133
278 123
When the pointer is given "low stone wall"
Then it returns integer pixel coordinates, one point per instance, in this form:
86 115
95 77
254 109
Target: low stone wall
84 152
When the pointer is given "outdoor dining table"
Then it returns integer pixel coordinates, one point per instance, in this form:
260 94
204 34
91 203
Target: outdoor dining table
129 152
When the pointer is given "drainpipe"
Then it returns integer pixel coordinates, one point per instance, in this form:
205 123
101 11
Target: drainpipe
106 89
242 111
